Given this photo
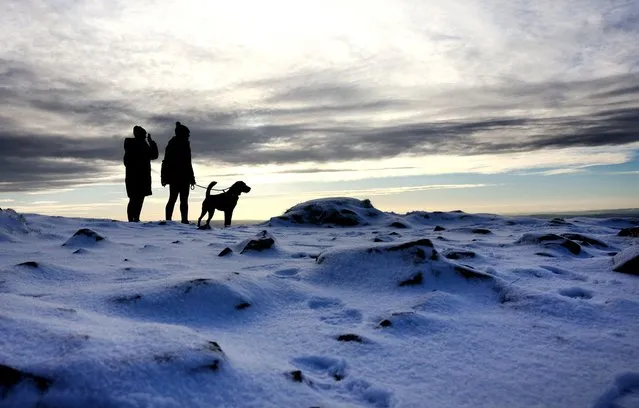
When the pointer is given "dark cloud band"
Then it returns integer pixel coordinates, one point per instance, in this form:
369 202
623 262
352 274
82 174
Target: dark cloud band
319 123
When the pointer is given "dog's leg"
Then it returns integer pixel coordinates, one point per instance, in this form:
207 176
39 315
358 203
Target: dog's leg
228 215
201 216
208 221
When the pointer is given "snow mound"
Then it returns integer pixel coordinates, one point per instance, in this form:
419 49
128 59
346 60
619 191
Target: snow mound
343 212
627 261
202 299
11 223
82 238
549 240
412 263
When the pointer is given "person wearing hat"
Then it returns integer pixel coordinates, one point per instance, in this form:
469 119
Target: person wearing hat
139 150
177 172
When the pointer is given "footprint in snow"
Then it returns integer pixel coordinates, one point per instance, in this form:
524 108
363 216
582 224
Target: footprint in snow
323 302
322 366
285 273
576 293
343 317
330 373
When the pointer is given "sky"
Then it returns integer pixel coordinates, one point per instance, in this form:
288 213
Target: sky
484 106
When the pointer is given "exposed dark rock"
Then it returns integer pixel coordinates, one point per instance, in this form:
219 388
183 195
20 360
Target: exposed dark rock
420 242
439 228
128 299
629 232
225 251
550 240
29 264
296 376
214 347
261 242
395 234
397 224
558 221
459 254
469 273
88 233
83 236
10 377
377 239
482 231
627 261
350 337
385 323
572 246
545 254
585 240
176 242
242 306
339 218
417 279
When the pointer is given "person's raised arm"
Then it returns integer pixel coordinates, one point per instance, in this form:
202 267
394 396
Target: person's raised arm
154 147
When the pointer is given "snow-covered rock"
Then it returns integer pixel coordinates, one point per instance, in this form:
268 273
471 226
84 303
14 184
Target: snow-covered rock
627 261
342 212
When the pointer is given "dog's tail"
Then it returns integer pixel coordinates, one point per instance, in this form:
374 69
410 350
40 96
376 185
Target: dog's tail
208 190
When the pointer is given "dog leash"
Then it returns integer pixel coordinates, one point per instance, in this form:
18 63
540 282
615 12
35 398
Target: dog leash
214 189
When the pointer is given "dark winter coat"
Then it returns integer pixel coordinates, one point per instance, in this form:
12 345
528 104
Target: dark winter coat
176 166
137 159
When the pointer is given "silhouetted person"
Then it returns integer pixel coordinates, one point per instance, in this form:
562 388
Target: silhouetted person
138 153
177 171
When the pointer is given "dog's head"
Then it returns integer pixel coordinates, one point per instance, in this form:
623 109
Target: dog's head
239 187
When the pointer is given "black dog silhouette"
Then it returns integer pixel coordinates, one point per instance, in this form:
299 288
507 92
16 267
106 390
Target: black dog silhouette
224 202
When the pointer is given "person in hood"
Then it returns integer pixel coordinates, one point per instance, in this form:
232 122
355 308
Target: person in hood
177 172
139 150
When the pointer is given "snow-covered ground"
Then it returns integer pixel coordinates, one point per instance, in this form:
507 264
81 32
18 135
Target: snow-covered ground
333 304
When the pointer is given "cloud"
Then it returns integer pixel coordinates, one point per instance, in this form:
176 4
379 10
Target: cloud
381 191
277 85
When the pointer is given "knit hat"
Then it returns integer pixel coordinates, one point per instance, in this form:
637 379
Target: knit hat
180 129
138 131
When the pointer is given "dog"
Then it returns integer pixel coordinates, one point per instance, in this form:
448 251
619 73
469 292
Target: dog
224 202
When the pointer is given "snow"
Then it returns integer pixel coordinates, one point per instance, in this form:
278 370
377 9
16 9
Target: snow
305 311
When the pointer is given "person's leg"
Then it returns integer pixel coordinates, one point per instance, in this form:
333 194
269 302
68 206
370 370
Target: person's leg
184 203
130 210
173 195
134 208
138 209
